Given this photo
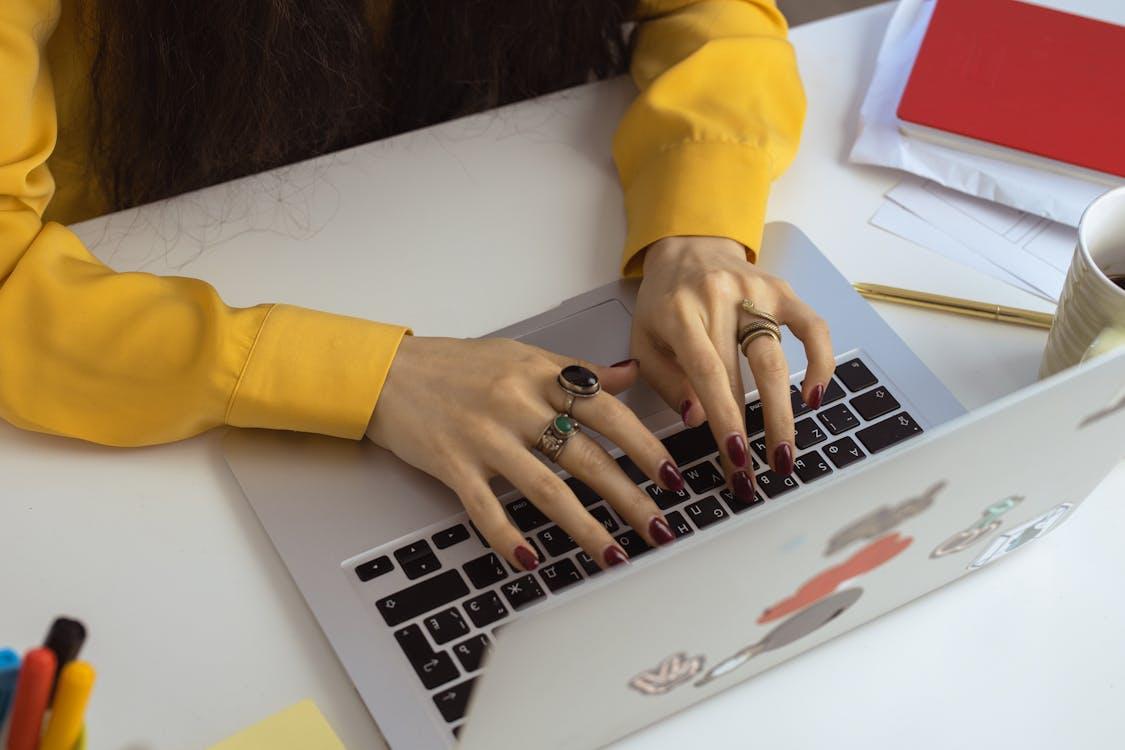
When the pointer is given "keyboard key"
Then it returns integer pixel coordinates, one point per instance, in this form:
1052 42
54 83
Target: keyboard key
843 452
773 484
832 393
736 505
525 515
485 570
605 518
855 375
521 592
666 499
559 575
588 564
485 608
449 537
470 652
556 541
884 434
632 543
706 512
433 667
759 446
422 597
582 491
446 625
838 419
417 559
810 467
798 403
755 420
679 524
875 403
690 445
631 470
809 434
703 478
453 701
374 568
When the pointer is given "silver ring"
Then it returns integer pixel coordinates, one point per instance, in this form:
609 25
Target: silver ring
578 382
750 308
556 435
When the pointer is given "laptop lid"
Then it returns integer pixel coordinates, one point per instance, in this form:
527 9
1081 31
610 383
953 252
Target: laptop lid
624 653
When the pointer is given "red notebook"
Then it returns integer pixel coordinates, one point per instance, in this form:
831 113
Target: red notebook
1023 77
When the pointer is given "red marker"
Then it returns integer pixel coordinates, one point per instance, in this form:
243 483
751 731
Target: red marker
32 692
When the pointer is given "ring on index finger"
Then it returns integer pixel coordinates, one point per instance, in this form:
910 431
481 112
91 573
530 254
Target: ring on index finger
751 331
750 308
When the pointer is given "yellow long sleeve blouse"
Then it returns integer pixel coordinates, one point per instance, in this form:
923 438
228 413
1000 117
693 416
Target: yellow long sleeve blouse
134 359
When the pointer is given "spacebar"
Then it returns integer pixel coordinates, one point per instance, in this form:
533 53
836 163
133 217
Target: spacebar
422 597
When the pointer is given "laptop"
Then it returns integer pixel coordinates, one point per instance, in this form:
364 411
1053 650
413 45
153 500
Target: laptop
897 491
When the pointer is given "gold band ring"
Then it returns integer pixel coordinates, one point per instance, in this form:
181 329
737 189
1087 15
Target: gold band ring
749 308
751 331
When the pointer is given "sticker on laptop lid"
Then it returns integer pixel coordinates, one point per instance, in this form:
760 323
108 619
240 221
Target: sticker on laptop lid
988 522
672 672
1019 536
882 519
1115 406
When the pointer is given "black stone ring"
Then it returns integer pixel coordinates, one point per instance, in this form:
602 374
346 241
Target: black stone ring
578 382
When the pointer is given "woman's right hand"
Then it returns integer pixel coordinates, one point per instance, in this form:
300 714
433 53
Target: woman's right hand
465 411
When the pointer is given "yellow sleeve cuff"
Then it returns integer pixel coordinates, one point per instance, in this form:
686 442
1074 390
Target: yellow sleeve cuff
314 371
707 188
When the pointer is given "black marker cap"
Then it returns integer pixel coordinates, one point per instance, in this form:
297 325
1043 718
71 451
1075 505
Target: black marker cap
65 638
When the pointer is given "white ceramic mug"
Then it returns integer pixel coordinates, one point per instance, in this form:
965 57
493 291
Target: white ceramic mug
1091 315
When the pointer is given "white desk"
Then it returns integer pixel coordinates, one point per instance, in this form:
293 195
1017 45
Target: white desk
196 628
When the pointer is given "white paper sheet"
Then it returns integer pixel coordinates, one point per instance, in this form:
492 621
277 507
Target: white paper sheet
1058 197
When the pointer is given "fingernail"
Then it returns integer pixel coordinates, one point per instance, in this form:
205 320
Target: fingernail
527 559
743 486
736 449
783 459
660 532
671 476
685 407
816 397
614 555
625 363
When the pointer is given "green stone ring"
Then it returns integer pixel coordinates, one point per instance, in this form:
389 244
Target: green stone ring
554 438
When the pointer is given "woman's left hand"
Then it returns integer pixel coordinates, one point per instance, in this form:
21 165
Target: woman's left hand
685 332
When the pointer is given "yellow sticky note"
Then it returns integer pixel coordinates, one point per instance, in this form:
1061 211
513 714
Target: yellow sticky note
300 727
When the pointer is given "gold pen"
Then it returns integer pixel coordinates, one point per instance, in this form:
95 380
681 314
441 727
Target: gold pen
955 305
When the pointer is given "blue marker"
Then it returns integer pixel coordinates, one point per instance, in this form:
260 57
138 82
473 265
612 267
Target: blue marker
9 674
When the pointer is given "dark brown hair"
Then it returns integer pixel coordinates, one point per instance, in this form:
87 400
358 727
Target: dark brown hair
187 93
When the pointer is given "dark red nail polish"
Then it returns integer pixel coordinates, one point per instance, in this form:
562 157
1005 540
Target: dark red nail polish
671 476
783 459
614 555
743 487
685 407
624 363
660 532
526 558
816 397
736 449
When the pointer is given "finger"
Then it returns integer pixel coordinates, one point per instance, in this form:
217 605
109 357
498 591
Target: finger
613 419
550 494
771 375
493 523
813 332
588 461
665 377
710 378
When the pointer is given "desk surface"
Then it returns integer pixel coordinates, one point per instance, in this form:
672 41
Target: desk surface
196 627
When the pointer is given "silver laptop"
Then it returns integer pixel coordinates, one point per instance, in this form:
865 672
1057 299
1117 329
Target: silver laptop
897 491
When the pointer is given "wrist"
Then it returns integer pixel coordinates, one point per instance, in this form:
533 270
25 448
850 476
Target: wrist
676 247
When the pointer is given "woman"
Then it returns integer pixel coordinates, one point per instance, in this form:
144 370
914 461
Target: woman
111 103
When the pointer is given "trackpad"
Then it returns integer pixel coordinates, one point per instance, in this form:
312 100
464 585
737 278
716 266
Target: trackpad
598 334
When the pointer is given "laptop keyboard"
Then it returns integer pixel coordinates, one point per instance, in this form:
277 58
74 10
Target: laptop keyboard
444 594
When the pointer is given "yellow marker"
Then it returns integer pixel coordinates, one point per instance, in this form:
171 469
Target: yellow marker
75 683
